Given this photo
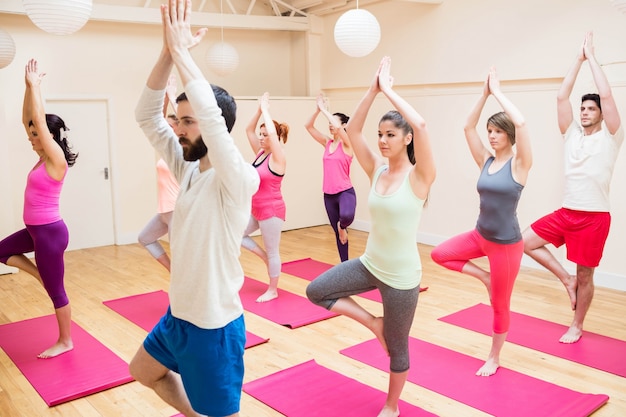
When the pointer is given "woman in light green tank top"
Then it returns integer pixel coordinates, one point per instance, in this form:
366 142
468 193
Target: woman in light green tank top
400 177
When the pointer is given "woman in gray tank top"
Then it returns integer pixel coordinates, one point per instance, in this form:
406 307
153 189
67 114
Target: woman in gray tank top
497 234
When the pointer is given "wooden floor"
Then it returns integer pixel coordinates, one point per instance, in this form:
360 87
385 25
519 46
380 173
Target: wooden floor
96 275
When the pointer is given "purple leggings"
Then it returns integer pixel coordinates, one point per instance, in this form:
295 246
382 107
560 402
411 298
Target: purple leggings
49 242
504 263
340 208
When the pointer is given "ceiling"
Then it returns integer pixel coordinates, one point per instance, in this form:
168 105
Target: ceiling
291 15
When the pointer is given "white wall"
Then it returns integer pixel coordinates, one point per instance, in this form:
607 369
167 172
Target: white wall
440 56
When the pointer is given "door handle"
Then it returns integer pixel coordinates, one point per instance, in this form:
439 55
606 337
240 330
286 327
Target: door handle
106 173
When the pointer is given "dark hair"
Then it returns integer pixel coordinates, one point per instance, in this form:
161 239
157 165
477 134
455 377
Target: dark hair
282 130
225 102
400 123
57 128
342 117
502 121
592 96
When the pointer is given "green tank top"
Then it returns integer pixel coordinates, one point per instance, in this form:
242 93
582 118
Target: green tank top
391 253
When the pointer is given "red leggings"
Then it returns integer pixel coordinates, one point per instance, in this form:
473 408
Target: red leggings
504 264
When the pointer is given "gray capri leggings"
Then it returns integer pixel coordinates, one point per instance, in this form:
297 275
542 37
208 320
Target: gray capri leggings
351 278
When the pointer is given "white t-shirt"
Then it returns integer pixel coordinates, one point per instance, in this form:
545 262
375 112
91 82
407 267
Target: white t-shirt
589 162
211 213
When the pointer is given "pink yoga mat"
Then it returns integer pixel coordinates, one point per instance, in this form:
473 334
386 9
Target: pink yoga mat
288 309
89 368
596 351
311 390
145 310
310 269
507 393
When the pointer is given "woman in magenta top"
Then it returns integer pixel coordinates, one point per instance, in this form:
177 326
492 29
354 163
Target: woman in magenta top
45 234
268 206
339 195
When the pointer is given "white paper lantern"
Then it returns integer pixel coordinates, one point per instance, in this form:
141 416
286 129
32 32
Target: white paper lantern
620 4
357 33
7 49
222 58
59 17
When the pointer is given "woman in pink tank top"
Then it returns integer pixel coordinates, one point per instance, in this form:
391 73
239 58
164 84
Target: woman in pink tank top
268 206
45 233
339 195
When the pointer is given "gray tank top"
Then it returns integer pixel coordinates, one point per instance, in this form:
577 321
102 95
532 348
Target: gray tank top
499 195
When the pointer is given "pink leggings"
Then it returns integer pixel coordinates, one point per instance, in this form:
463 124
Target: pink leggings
504 264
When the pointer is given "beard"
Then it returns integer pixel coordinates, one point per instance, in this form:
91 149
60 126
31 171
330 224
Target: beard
193 150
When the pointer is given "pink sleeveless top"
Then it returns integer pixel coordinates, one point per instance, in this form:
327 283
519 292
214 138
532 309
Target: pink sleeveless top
167 188
268 201
336 170
41 197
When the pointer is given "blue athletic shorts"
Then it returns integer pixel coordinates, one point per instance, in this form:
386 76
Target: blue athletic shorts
209 361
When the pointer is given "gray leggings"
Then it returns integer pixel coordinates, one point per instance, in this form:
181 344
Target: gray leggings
351 278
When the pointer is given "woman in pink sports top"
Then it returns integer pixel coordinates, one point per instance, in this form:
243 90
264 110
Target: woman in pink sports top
339 195
45 233
268 206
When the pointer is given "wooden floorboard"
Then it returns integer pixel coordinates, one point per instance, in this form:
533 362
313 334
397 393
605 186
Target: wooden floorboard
99 274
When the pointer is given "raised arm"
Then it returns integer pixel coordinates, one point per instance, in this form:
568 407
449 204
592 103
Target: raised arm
322 104
609 108
236 175
523 156
251 134
310 124
180 40
368 160
424 168
170 95
277 155
56 165
565 114
479 151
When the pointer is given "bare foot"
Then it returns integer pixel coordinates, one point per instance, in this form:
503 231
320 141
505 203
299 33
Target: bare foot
377 328
388 412
343 234
56 349
489 368
486 280
267 296
572 335
571 286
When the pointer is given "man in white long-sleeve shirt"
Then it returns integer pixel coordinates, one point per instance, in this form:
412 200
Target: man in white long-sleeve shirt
193 358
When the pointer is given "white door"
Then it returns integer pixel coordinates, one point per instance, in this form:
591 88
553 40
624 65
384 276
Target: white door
86 200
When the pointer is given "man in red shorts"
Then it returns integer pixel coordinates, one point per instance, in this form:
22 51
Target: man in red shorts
582 224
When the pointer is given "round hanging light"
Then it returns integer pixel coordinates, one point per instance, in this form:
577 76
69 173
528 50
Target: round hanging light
59 17
222 58
7 49
357 33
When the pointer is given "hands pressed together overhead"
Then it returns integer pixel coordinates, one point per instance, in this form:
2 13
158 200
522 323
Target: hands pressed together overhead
176 17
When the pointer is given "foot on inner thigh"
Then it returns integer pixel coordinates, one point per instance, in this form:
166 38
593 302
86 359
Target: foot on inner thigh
571 286
377 328
56 349
267 296
572 335
343 234
489 368
486 280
